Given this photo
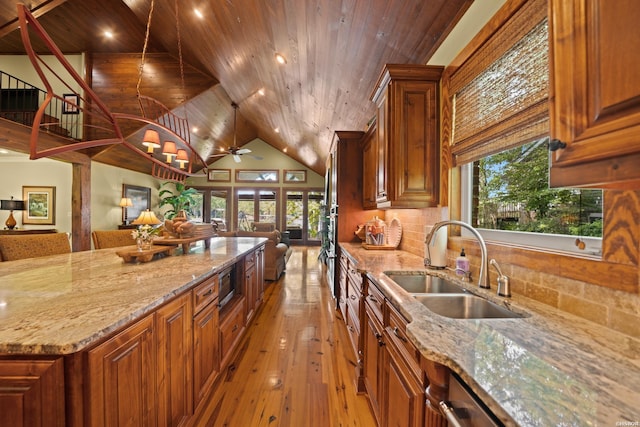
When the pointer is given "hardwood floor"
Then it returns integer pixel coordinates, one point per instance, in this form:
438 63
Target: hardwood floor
295 366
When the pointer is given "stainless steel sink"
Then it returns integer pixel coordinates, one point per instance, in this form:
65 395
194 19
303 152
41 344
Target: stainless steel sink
464 306
424 284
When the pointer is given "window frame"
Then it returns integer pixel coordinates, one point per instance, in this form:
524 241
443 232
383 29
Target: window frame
555 242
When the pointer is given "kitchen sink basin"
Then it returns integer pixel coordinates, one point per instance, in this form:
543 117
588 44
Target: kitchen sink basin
424 284
464 306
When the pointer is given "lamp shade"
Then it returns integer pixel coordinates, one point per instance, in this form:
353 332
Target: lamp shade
151 140
12 205
146 217
125 202
182 157
169 150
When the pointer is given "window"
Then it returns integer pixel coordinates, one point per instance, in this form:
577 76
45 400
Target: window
509 194
256 205
499 116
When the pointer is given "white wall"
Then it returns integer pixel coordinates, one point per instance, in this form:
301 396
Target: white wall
20 66
106 191
272 159
16 171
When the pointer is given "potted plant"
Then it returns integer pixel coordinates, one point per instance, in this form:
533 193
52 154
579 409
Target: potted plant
179 198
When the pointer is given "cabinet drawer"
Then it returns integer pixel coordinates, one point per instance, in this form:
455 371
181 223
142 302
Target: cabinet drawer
250 261
397 333
231 328
353 327
204 293
375 299
353 301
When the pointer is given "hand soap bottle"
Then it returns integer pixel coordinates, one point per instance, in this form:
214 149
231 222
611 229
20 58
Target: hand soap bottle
462 264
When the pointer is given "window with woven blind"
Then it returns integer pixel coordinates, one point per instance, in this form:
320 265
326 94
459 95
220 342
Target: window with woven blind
500 93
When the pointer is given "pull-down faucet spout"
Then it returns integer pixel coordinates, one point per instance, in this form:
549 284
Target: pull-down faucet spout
483 278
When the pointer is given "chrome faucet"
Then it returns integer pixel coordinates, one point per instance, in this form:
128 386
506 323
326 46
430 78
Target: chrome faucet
504 288
483 278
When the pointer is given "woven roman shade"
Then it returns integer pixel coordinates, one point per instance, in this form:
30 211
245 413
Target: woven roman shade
500 93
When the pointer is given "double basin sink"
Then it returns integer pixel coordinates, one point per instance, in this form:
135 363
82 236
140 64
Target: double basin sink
448 299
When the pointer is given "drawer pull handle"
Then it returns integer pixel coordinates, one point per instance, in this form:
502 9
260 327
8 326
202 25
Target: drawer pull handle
450 412
396 332
353 297
235 328
373 299
209 292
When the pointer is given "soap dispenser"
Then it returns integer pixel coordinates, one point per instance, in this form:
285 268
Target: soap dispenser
462 264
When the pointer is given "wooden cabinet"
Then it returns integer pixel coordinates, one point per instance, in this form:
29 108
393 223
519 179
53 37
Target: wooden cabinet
404 385
373 358
343 280
206 338
393 374
370 168
595 93
254 281
174 384
32 393
408 144
231 328
121 372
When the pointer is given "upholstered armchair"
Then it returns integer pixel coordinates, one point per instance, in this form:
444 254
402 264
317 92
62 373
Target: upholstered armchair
112 238
13 247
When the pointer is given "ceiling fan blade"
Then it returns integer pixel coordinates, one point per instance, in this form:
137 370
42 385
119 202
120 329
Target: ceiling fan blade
236 158
242 151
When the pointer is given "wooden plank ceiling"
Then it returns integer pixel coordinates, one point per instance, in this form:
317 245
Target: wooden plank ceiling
334 51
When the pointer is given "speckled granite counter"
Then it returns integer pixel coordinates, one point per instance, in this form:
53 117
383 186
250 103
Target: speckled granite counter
548 369
63 303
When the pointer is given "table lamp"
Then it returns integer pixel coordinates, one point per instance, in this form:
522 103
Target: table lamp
11 205
125 203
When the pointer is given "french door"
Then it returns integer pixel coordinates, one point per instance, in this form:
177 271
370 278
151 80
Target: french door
303 215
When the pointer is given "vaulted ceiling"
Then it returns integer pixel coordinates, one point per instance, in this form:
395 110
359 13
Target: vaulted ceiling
334 52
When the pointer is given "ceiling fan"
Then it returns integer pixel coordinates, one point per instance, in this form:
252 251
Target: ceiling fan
236 151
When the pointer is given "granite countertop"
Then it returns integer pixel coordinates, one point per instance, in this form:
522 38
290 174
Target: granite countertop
547 369
61 304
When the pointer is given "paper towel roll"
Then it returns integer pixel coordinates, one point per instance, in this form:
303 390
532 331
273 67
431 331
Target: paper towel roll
437 250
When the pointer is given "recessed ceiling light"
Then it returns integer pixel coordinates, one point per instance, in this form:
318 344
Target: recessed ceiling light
261 92
277 130
108 34
194 129
284 150
281 59
198 13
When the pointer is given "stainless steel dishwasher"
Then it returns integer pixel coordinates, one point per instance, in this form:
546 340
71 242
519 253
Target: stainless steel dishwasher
464 409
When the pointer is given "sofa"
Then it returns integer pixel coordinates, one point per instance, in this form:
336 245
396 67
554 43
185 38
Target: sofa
276 253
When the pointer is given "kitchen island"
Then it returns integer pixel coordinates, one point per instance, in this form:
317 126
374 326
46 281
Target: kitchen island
73 325
548 368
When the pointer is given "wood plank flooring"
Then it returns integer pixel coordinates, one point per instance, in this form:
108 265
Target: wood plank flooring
295 367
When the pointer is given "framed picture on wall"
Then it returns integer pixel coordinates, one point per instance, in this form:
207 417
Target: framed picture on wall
40 205
71 103
140 200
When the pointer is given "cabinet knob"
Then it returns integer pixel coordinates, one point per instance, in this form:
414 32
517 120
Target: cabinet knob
555 144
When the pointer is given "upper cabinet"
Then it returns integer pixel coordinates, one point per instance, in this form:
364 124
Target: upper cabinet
406 149
595 94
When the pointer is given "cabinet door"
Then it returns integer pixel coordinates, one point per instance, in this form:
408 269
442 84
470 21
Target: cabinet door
595 93
413 146
259 276
373 345
370 168
121 380
382 141
206 350
32 393
405 397
175 362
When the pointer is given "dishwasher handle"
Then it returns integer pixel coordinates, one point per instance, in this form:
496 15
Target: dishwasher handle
450 412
